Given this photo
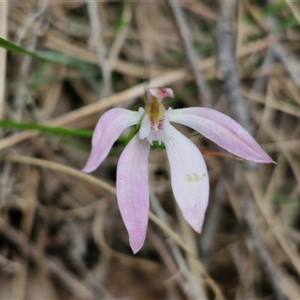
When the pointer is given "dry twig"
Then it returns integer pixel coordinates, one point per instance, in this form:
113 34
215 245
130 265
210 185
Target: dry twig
240 112
203 89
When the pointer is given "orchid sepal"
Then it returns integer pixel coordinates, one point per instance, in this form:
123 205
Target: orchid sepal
133 190
106 132
222 130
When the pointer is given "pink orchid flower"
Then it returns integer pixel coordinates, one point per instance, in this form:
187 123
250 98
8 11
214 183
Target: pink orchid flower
189 177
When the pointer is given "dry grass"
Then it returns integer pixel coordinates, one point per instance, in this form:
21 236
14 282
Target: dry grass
61 234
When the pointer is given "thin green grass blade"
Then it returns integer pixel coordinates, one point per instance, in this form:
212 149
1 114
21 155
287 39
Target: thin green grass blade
85 133
49 56
14 48
47 129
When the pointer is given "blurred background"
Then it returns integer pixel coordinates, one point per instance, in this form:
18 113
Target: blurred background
63 64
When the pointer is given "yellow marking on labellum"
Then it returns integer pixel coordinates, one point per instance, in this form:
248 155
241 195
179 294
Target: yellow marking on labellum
155 111
193 177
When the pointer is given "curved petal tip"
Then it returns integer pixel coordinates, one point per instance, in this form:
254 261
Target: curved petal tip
194 219
89 167
137 240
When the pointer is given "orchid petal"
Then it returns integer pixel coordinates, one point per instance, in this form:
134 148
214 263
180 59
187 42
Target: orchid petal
189 176
160 93
222 130
107 131
133 190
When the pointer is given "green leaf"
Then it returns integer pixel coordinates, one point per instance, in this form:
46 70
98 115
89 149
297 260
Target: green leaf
52 56
49 56
132 133
85 133
48 129
14 48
